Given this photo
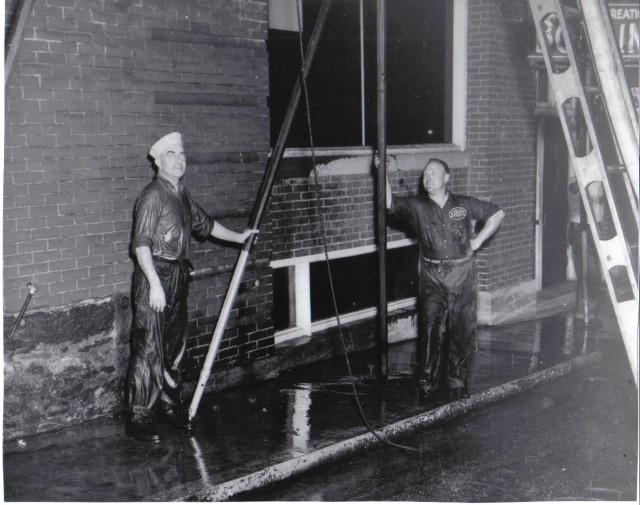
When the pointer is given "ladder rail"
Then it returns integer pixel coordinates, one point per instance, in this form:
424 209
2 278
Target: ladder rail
592 166
608 66
568 88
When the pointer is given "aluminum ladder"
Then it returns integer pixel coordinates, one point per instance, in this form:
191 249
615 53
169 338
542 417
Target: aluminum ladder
588 85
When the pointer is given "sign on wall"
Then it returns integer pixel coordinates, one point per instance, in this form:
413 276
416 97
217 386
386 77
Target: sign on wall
624 20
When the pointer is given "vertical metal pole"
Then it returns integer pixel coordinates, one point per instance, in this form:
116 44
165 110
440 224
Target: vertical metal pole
584 258
585 271
383 343
362 88
258 214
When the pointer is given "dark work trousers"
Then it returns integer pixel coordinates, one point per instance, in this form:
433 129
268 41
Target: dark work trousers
158 340
448 322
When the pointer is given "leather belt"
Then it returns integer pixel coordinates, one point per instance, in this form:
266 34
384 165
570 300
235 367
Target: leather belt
437 262
176 261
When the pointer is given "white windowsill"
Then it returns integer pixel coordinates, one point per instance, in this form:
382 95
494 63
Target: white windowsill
340 253
303 152
296 332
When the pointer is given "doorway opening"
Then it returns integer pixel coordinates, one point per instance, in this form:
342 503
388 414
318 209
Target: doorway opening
554 204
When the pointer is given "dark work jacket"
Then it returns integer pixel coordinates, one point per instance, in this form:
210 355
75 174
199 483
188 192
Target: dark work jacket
443 233
165 218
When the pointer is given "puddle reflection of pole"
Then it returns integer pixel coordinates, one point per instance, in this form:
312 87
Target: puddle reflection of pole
569 329
574 332
200 460
299 426
535 350
585 337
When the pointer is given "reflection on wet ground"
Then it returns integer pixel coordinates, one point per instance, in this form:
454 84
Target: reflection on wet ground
572 439
243 430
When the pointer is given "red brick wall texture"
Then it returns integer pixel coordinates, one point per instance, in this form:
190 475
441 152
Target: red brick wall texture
501 133
501 139
97 82
94 85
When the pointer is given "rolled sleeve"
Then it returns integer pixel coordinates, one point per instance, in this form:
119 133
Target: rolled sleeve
480 210
201 222
404 210
147 209
400 208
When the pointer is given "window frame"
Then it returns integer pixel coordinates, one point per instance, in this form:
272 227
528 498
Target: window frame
301 286
458 92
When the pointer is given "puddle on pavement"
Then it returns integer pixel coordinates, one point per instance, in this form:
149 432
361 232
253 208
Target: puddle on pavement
242 430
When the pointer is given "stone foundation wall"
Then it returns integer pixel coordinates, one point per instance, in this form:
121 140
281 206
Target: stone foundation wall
65 365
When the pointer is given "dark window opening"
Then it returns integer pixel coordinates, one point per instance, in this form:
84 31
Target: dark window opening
355 281
283 312
418 74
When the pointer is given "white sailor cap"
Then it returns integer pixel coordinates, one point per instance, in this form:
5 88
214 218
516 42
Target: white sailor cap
165 143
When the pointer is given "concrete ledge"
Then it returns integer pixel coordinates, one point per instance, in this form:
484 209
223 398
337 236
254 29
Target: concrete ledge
408 160
199 491
499 306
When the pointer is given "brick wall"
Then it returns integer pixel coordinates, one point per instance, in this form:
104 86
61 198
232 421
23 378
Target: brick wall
348 202
94 85
501 134
501 165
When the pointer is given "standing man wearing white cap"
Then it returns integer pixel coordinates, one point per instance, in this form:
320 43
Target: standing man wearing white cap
165 217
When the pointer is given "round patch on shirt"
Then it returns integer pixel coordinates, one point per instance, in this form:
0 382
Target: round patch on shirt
457 213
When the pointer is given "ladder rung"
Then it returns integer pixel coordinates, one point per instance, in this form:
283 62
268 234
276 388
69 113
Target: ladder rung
593 90
571 12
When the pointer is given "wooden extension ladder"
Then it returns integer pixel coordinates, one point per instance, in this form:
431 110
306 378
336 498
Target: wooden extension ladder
592 98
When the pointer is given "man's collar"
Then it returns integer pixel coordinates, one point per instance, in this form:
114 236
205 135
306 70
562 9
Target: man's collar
447 197
169 184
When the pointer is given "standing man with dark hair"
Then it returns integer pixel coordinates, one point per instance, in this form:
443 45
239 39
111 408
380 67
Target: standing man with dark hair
165 217
442 222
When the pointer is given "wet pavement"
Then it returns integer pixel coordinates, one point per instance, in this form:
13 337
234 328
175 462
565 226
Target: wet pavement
591 414
549 444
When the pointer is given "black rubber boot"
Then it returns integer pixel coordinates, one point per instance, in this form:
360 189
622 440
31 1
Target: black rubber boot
143 430
175 418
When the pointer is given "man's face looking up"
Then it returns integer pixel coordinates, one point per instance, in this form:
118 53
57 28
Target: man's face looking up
434 177
173 163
